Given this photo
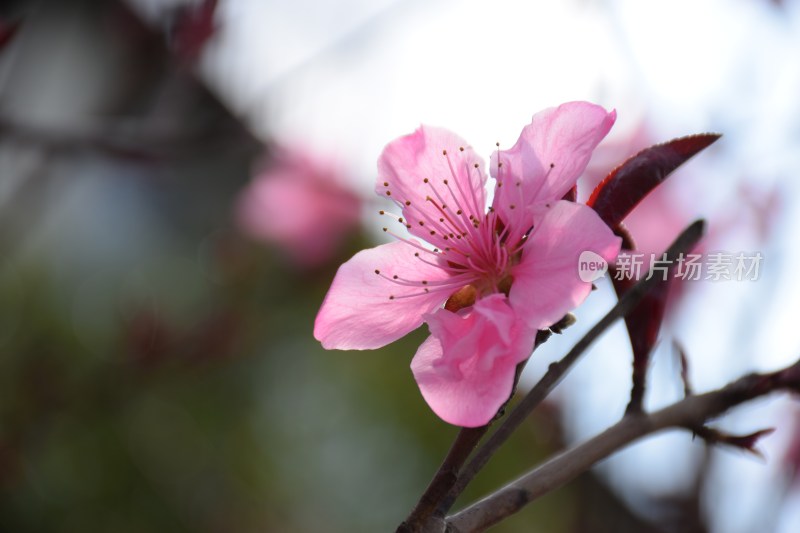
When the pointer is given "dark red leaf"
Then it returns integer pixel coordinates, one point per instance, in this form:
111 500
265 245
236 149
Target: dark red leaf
643 325
192 27
613 199
7 31
629 183
627 239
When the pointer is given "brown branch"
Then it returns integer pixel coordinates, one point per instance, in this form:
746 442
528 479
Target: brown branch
558 370
688 413
443 480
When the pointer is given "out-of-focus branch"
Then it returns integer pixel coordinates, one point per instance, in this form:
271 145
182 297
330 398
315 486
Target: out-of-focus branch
688 413
131 138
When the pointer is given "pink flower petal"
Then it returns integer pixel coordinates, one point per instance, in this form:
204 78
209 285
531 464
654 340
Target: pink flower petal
465 369
546 282
301 204
358 314
454 189
549 156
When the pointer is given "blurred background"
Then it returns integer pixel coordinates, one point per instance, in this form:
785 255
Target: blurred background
180 181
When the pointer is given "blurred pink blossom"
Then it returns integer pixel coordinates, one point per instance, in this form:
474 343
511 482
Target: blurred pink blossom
301 204
502 274
791 457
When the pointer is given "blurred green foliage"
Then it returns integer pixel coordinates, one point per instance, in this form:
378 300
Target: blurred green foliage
199 401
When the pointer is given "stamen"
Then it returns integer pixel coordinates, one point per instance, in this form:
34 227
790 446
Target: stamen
475 267
455 281
412 295
423 218
451 226
392 215
459 206
445 228
471 201
431 263
411 243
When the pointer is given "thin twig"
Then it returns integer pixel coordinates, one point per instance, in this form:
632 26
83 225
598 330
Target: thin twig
558 370
444 479
688 413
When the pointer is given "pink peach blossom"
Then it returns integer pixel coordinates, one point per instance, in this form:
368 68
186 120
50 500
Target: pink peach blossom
301 204
501 274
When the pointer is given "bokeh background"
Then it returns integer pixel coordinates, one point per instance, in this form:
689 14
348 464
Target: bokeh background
180 181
